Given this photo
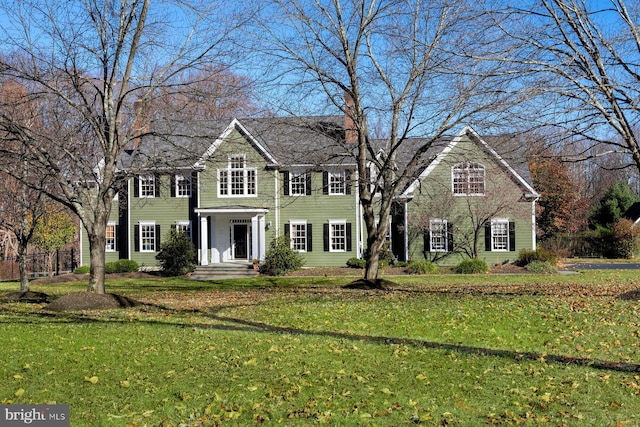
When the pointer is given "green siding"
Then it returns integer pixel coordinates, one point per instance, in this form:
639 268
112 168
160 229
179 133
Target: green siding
503 199
318 209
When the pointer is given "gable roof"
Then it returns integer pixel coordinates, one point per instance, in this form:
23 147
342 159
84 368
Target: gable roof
284 142
517 173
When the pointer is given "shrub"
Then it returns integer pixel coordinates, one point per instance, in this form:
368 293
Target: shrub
541 267
356 262
83 269
527 256
625 243
280 258
177 254
471 266
421 267
403 264
121 266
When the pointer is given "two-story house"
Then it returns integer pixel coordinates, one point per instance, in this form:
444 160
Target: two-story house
234 186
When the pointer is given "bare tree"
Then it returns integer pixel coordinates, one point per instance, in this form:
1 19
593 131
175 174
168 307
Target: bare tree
578 61
84 64
399 64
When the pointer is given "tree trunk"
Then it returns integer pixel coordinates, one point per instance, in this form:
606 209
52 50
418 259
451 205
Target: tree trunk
22 267
374 243
96 267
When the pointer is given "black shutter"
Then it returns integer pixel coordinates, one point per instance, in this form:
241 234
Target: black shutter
325 236
449 237
172 184
347 181
426 240
309 238
117 236
325 183
194 185
136 186
512 236
287 230
157 238
285 180
487 237
156 183
308 183
348 232
136 238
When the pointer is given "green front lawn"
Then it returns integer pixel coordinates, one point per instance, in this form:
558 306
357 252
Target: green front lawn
439 350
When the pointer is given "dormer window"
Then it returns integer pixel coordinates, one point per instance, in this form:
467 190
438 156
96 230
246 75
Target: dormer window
468 179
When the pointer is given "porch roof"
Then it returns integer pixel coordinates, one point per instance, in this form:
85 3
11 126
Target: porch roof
232 209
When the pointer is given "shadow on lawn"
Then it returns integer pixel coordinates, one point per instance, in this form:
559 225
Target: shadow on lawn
481 351
242 325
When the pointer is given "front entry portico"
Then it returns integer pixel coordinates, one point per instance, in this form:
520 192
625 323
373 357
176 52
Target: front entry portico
231 233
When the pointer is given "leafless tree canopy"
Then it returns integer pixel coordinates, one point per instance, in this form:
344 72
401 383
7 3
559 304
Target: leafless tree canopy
402 65
81 66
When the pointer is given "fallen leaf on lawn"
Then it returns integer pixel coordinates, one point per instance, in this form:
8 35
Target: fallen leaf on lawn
92 380
19 392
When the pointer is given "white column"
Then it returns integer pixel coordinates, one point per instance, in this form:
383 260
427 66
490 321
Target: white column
255 232
204 241
261 237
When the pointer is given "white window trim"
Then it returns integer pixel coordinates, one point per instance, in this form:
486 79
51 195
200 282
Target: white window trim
245 176
298 222
444 224
496 221
179 178
331 224
465 167
343 175
298 174
152 180
115 238
151 224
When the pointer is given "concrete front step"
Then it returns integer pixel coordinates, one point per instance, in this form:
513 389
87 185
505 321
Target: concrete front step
223 271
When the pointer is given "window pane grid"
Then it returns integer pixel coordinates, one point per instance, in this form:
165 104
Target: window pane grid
147 237
183 186
111 238
237 182
468 179
298 185
338 237
147 186
299 237
500 236
336 183
251 182
438 230
236 179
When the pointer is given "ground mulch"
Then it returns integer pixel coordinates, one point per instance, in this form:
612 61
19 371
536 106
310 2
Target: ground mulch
91 301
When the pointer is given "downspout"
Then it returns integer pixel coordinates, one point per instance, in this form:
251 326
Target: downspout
277 201
405 233
533 224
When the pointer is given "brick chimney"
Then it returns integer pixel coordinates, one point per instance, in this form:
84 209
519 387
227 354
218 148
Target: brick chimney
350 129
139 125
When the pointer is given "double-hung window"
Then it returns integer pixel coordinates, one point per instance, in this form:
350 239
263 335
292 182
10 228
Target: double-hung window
147 186
147 237
183 185
184 227
111 237
438 235
468 179
499 235
337 183
298 231
237 180
337 236
298 184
